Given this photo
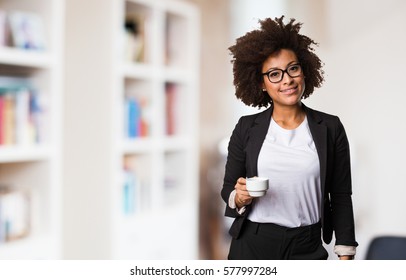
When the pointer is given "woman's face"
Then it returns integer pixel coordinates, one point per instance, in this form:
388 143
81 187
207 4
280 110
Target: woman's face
288 91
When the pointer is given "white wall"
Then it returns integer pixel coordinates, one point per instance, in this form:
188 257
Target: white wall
362 44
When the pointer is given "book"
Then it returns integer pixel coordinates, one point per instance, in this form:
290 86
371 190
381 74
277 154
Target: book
136 117
2 132
129 191
22 117
8 119
26 30
37 112
21 112
134 38
170 104
14 214
133 117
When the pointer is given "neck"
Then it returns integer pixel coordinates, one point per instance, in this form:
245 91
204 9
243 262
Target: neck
288 117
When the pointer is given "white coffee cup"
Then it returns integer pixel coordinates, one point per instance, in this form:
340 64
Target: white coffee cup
257 186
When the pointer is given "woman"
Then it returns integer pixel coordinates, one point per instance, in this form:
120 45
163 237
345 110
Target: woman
304 153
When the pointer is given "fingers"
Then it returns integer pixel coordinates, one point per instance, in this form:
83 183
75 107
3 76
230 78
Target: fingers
241 187
242 196
241 181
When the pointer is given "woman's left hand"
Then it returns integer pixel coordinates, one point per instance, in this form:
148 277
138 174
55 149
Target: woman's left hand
346 257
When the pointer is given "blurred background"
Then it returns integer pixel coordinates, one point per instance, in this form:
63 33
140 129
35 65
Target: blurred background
361 44
115 118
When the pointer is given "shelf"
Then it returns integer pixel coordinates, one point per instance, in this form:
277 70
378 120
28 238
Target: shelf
146 71
26 153
146 145
177 143
176 74
25 58
180 231
138 70
131 223
33 247
138 145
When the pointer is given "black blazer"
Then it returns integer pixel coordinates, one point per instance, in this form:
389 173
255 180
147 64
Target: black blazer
335 171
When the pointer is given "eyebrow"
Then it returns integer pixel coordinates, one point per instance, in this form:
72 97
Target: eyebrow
289 64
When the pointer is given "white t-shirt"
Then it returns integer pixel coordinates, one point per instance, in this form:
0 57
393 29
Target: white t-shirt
289 159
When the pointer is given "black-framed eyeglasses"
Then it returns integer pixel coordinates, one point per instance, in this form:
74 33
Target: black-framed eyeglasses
276 75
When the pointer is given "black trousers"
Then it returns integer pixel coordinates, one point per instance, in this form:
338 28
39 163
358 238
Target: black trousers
266 241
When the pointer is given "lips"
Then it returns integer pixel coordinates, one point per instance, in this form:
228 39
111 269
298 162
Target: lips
290 90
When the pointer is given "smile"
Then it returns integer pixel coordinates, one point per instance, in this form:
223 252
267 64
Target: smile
290 90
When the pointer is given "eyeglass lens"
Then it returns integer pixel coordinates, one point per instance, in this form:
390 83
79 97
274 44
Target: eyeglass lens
276 75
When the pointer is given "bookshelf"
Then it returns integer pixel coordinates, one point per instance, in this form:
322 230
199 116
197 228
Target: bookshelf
163 163
144 157
30 129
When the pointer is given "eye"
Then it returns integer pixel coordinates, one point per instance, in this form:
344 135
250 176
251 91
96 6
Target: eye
274 74
294 69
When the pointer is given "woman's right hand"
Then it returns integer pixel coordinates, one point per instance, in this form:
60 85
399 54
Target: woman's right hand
242 196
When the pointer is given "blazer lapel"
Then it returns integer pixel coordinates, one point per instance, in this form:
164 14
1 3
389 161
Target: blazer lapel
319 133
256 137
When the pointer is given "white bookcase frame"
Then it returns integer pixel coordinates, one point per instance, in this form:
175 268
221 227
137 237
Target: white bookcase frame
37 167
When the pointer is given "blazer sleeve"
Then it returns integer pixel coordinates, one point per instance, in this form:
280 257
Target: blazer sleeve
235 165
341 190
